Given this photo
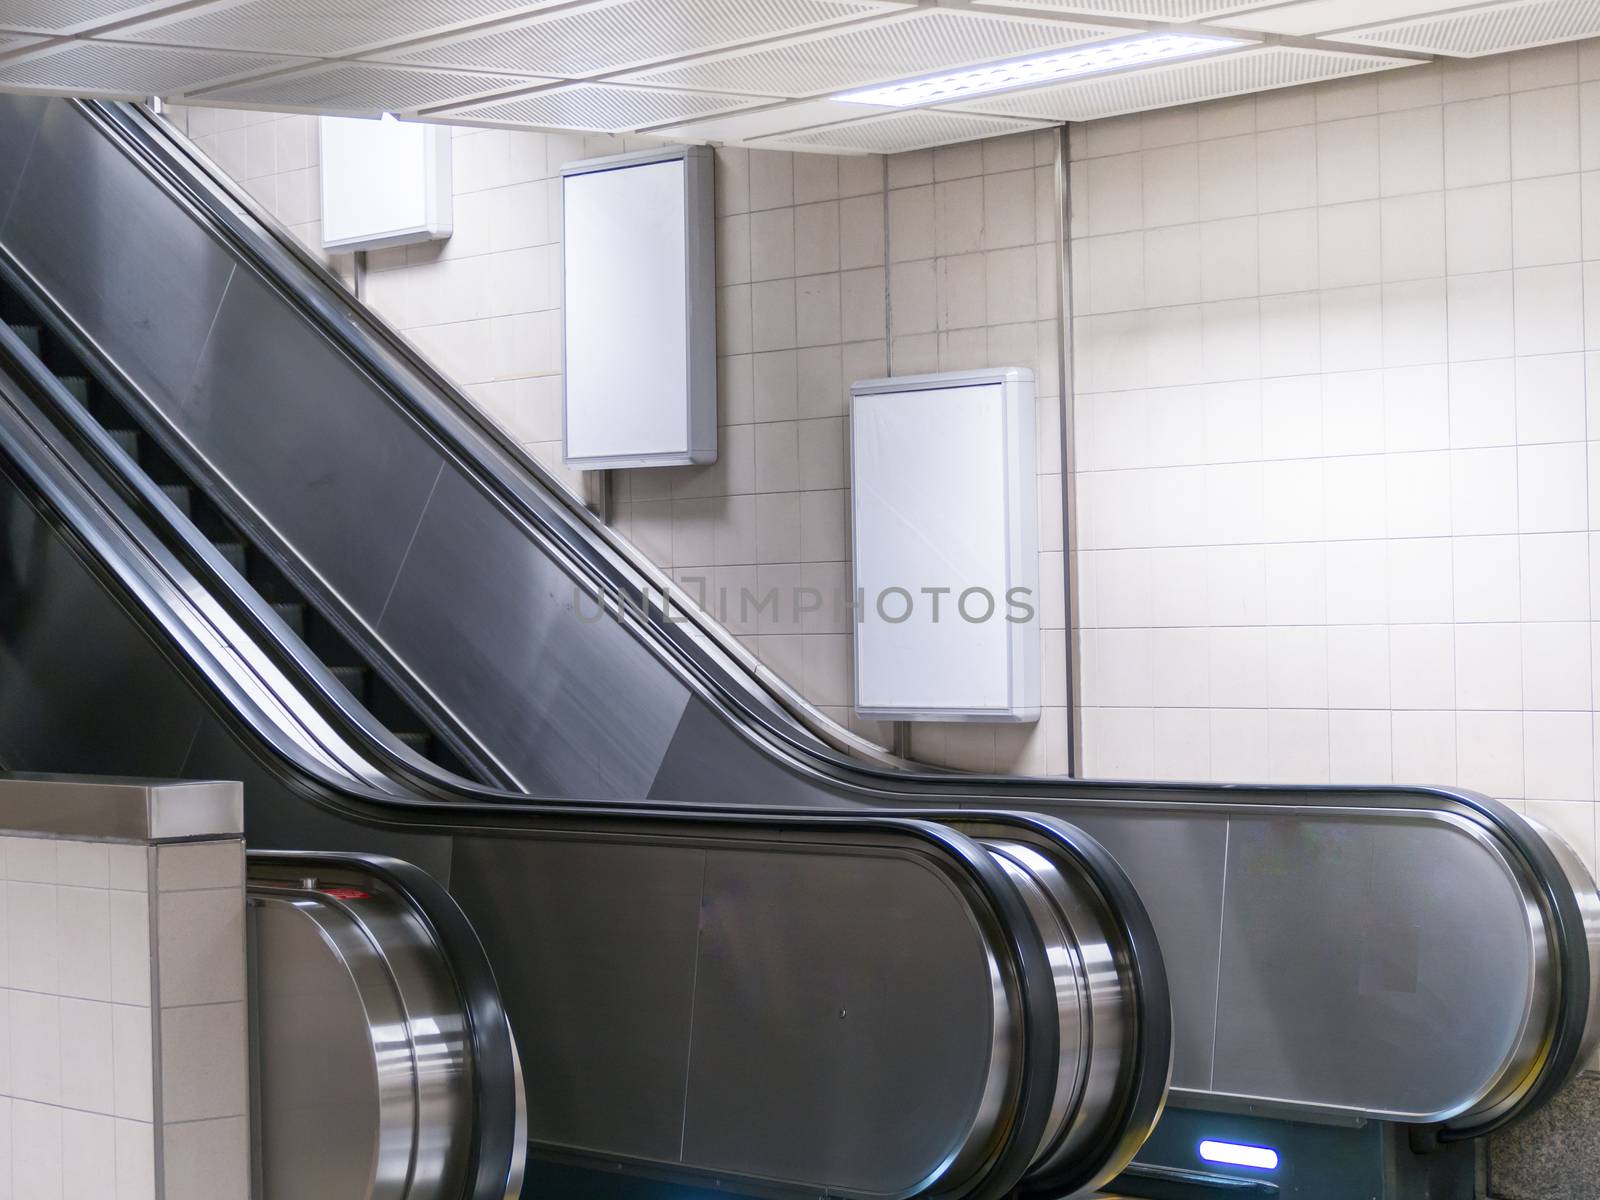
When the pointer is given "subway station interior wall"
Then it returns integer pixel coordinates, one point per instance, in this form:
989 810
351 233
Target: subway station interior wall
1335 396
830 269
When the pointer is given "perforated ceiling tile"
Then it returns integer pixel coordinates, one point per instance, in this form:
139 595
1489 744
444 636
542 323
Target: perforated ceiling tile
1490 29
72 16
766 122
367 88
321 28
621 33
896 47
894 134
114 69
599 108
1308 17
1152 10
1256 69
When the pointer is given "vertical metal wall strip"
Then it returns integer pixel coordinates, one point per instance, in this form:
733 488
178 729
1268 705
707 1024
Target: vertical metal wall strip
899 731
1069 539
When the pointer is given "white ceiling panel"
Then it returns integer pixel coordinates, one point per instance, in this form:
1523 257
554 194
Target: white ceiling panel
315 27
1307 17
765 122
1147 10
615 34
366 89
115 69
72 16
898 132
1257 69
899 47
1488 29
600 107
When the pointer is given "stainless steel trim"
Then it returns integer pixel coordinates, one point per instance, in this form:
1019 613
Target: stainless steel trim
97 808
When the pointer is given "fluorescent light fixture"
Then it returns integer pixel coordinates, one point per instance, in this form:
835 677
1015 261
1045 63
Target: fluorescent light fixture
1047 68
1235 1155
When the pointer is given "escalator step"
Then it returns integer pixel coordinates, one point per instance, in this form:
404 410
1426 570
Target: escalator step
181 496
77 385
234 553
292 615
29 335
128 439
354 680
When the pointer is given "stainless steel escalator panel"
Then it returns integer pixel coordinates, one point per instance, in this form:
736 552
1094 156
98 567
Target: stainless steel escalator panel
824 1017
364 1060
1393 963
528 660
336 1112
109 246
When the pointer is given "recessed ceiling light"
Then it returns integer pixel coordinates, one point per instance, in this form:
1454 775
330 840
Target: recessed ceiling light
1046 68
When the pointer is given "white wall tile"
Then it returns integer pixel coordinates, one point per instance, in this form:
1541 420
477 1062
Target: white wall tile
1359 747
1544 131
1557 756
1477 141
86 1048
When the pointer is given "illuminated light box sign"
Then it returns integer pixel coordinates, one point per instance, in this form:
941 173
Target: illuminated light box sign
946 547
384 183
639 310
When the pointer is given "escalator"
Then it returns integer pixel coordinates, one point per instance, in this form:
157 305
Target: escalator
943 1004
1334 953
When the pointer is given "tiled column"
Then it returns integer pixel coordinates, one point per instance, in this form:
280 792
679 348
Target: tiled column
124 1060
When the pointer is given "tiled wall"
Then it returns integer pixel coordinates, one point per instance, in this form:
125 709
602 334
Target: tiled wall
829 270
86 1007
1333 418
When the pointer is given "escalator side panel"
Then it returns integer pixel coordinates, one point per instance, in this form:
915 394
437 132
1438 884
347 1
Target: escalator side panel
303 434
1376 902
92 228
707 758
613 1076
1176 862
19 123
772 1003
815 1014
1320 933
66 648
518 657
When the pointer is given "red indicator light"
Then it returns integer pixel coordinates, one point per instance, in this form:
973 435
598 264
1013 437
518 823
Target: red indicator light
346 893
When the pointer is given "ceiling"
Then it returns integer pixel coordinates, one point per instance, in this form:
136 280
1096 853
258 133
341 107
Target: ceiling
755 72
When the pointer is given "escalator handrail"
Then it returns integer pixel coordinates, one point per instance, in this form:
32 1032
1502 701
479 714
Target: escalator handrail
217 576
442 412
987 887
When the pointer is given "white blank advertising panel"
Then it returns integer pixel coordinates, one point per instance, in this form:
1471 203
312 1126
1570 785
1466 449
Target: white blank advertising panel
638 307
945 525
384 183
